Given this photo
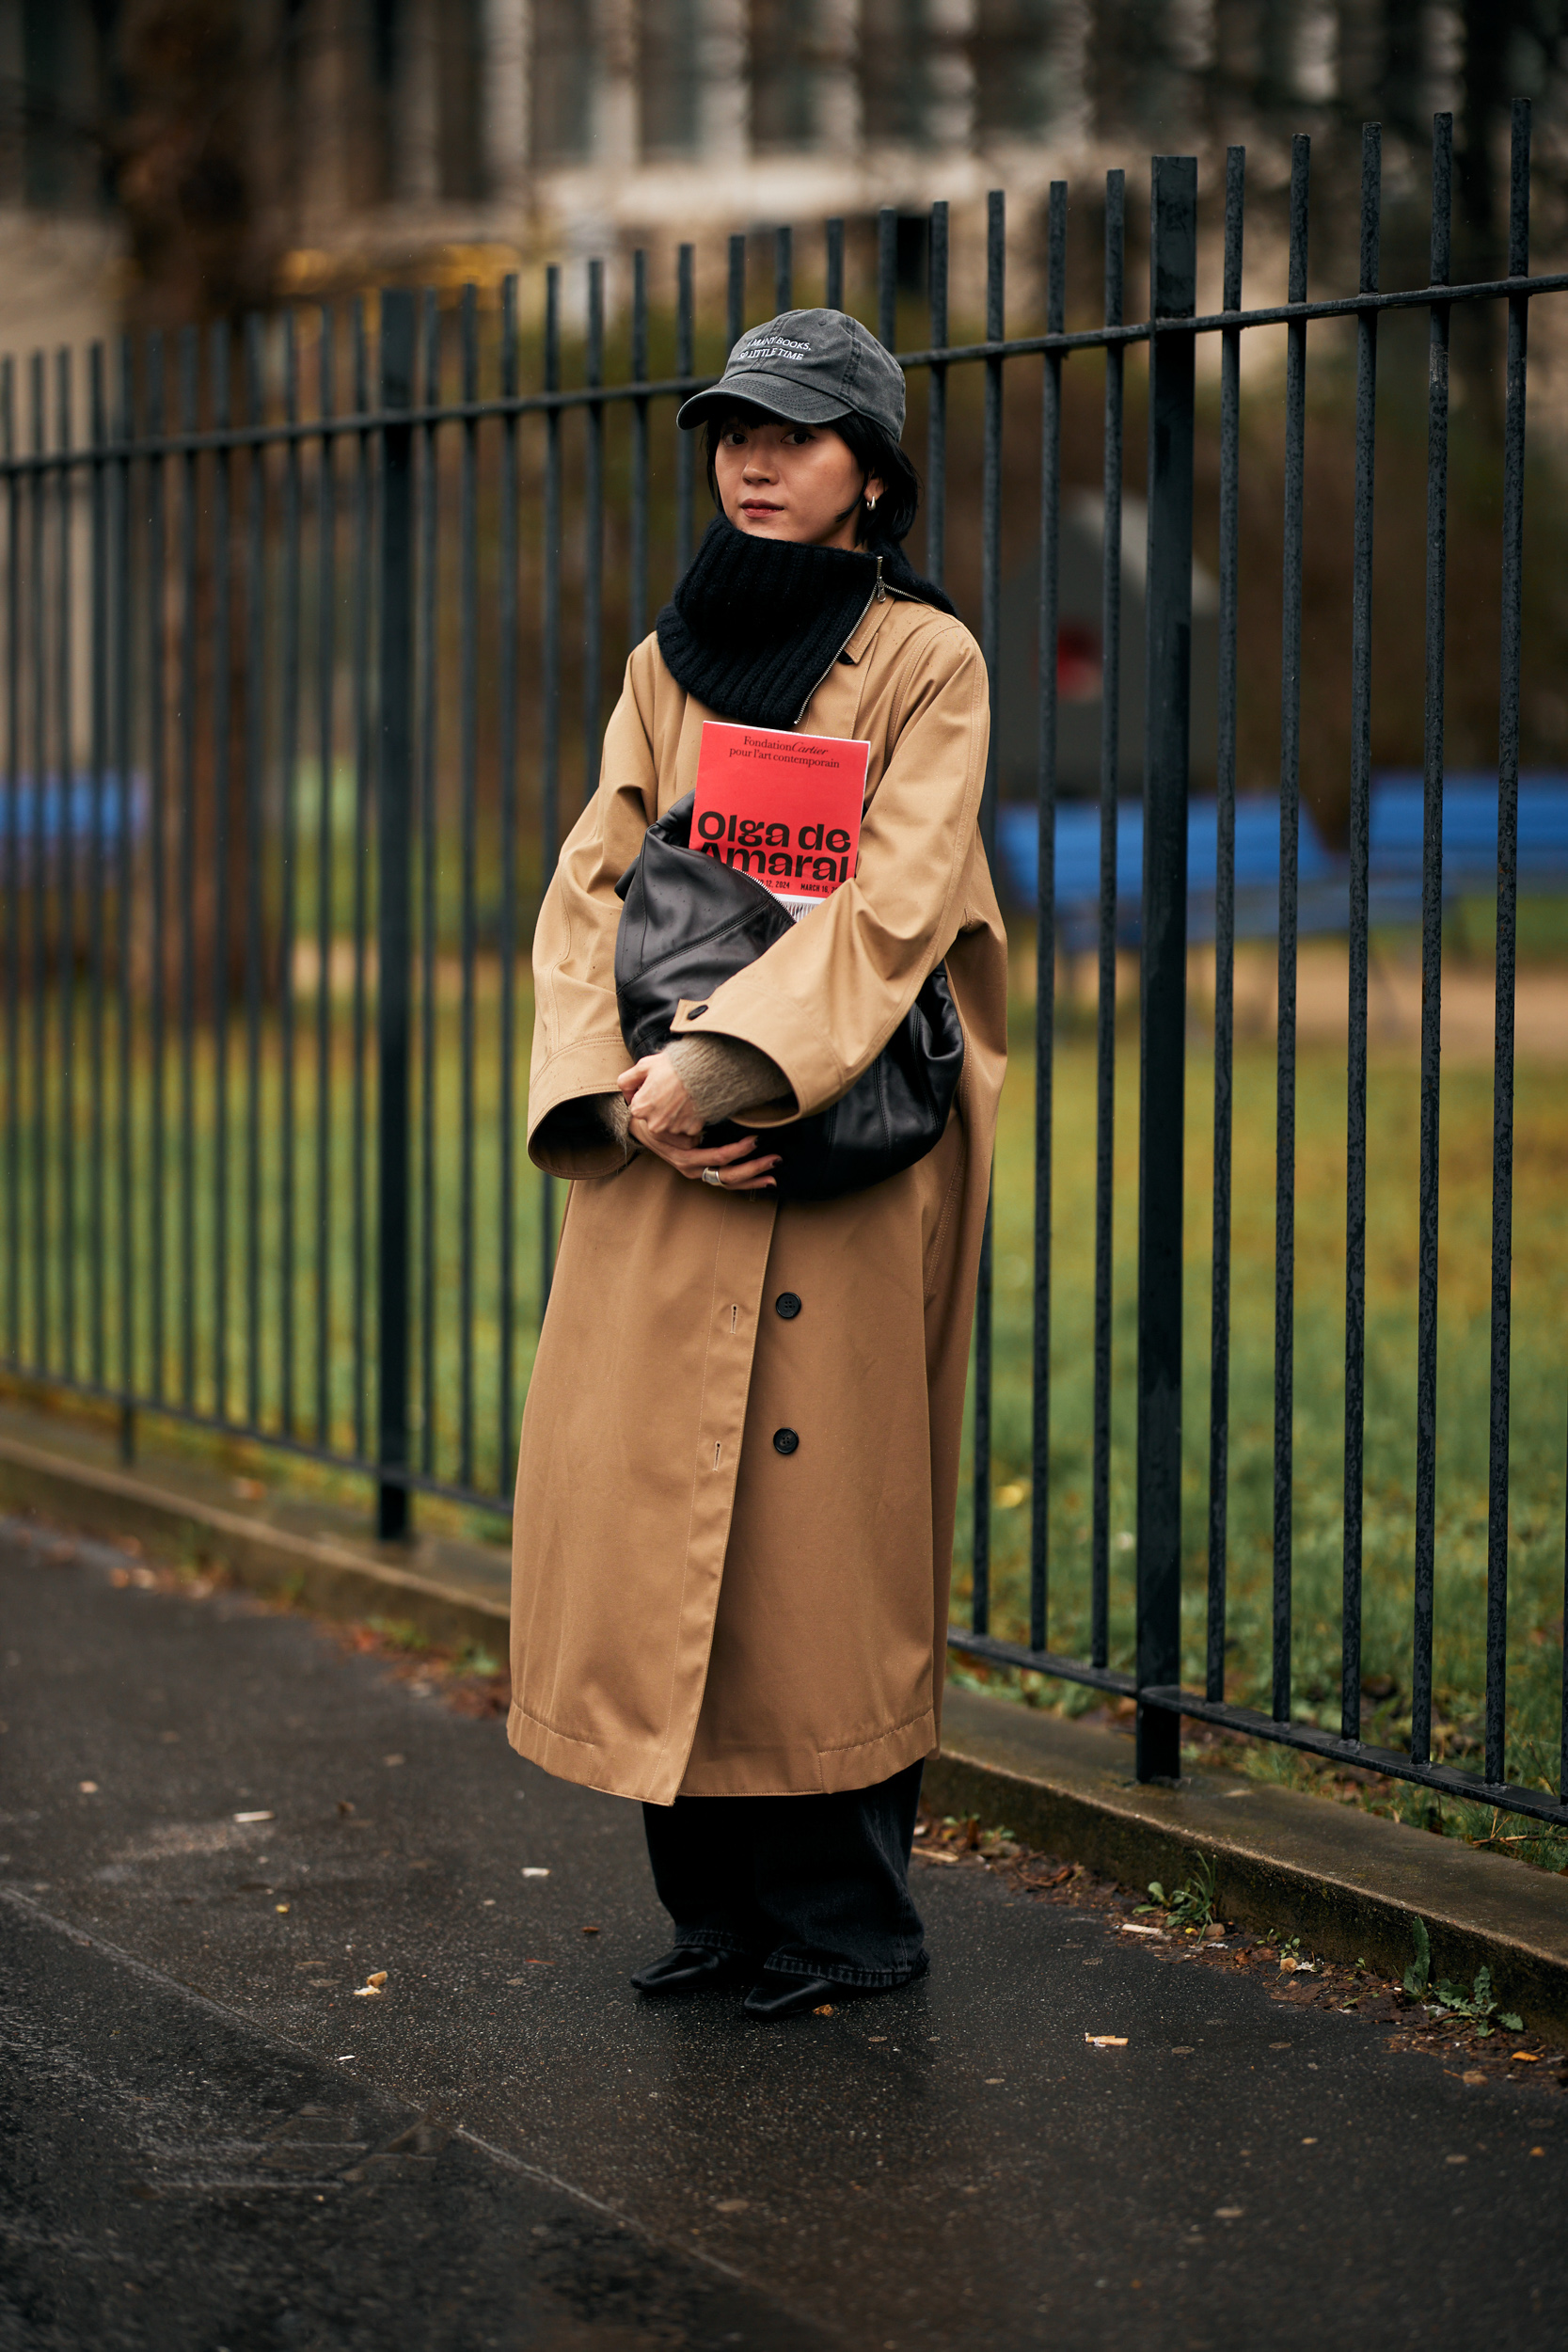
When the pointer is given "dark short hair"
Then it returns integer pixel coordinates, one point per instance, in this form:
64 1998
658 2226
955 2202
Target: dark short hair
872 449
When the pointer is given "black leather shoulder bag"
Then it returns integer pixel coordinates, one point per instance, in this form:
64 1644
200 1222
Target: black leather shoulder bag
687 924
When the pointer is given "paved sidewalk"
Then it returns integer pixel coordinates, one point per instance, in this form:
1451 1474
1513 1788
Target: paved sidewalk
208 2141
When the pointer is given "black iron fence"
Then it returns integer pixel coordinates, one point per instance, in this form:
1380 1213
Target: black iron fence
305 651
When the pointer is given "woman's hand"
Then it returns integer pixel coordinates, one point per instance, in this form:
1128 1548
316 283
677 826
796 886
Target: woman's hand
739 1167
666 1122
654 1092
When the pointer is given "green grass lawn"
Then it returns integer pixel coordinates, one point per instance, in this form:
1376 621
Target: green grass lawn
1540 1347
1540 1390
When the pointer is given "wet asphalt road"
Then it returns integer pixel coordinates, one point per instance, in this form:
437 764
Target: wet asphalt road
208 2141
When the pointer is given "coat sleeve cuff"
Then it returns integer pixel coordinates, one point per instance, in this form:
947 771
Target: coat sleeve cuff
772 1024
577 1118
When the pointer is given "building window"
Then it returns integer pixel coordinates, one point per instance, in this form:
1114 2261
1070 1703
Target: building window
784 57
668 114
561 81
1013 78
895 72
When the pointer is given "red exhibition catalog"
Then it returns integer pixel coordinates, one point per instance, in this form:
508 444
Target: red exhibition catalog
784 808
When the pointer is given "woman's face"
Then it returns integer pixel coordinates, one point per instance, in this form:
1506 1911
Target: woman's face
798 482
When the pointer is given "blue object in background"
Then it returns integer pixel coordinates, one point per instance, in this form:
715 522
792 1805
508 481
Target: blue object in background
64 807
1395 834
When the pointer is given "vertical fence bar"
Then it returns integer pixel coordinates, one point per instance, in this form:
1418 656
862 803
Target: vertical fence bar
1045 916
1432 943
223 578
734 294
1360 818
506 784
784 270
637 580
37 519
1225 929
326 746
97 960
65 754
1173 282
1105 1005
393 906
428 692
154 478
157 784
255 840
833 259
1289 831
936 413
359 659
887 277
189 547
13 875
122 706
686 366
593 535
288 785
1508 880
469 791
549 650
990 634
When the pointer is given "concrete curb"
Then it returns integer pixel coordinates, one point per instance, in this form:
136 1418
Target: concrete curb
1348 1882
331 1572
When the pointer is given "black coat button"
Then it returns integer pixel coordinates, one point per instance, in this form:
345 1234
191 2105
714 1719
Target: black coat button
787 1305
696 1012
784 1440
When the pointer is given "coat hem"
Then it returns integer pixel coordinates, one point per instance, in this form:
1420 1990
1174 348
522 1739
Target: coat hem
814 1772
817 1774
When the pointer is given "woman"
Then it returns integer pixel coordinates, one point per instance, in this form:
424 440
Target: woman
739 1456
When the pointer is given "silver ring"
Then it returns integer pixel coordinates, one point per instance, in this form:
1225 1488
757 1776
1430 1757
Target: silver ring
711 1176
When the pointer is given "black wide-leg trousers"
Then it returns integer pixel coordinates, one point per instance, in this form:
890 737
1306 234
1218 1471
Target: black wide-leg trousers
807 1886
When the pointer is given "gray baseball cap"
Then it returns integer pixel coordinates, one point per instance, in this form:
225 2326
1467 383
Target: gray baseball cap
809 367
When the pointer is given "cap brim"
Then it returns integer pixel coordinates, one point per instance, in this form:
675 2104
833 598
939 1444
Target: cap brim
794 403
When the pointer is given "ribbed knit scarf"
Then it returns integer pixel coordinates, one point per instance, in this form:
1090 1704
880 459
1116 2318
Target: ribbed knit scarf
757 622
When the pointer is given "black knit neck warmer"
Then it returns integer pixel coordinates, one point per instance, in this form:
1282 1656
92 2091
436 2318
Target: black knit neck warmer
756 624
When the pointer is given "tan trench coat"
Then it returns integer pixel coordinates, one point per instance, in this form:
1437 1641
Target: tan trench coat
694 1609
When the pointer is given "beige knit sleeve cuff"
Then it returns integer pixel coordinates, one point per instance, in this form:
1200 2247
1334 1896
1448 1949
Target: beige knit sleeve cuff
723 1075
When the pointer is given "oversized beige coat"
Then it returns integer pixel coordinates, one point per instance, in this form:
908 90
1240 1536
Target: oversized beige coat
694 1611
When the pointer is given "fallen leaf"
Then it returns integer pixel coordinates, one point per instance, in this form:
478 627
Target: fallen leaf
931 1855
532 1870
1227 2213
343 1805
1106 2040
1136 1926
255 1817
88 1787
370 1992
1538 2151
377 1976
1472 2074
730 2204
1531 2057
591 1930
825 2010
280 1906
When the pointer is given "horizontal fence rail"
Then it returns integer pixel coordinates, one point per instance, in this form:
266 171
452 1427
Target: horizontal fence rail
309 636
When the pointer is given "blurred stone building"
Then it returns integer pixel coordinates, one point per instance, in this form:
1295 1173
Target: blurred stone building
228 151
